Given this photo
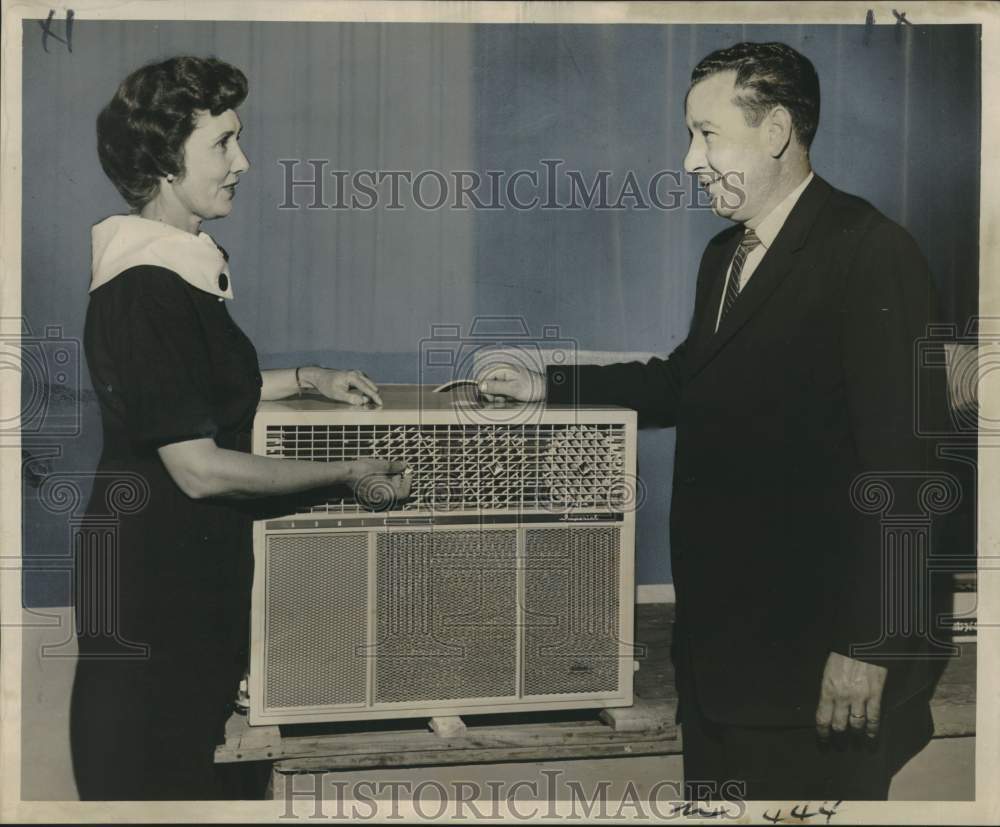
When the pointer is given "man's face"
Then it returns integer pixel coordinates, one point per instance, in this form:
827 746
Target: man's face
731 159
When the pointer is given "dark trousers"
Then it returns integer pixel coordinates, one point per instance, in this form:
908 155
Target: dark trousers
723 761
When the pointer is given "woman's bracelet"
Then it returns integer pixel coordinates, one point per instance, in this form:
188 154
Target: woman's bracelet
298 379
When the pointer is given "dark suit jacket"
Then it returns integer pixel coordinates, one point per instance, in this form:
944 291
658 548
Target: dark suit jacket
808 383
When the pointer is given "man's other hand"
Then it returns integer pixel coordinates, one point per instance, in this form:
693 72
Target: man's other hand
850 696
512 382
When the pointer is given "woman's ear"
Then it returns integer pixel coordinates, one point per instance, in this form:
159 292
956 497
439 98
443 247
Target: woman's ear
779 130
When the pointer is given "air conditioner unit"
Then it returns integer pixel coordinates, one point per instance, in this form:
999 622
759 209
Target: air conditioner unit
505 583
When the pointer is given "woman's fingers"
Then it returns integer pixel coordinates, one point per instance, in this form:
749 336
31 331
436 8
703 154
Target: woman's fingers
404 486
359 380
352 398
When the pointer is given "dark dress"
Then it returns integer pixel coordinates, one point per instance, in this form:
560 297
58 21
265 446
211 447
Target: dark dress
163 581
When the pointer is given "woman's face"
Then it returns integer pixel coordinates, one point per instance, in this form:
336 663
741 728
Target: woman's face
213 163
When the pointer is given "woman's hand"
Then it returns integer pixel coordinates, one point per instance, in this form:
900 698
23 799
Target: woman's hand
379 484
351 386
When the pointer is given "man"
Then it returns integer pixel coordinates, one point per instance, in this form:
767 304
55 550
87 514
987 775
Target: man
795 378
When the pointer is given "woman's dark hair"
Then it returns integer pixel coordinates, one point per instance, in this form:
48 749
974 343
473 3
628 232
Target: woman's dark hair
141 132
769 75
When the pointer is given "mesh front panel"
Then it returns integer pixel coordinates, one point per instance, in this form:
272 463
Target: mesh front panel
571 634
529 466
447 615
316 605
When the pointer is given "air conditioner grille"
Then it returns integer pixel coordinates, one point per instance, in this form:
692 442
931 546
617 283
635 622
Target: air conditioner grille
446 616
571 626
316 603
476 467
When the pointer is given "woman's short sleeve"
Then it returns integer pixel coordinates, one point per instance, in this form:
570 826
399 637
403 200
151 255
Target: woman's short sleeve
166 369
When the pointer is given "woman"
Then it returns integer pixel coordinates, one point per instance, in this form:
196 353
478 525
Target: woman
162 617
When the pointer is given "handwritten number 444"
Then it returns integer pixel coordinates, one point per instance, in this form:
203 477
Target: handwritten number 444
802 813
67 36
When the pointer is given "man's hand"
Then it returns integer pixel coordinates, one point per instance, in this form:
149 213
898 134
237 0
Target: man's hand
850 696
350 386
512 382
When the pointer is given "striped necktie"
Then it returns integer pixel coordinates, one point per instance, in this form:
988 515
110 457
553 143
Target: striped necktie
748 243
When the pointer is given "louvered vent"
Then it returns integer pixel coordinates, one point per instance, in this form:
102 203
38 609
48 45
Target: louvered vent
532 466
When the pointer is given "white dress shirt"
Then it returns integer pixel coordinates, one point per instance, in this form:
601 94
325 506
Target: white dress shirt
767 231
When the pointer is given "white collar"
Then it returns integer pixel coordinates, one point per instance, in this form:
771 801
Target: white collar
124 241
769 228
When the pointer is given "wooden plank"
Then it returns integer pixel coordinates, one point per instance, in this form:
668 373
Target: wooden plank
954 703
236 727
447 725
643 716
951 721
498 739
418 758
265 738
658 718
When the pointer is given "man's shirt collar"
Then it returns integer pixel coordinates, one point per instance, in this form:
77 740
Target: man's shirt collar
769 228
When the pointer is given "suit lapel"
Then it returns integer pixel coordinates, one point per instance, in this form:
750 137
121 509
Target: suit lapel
716 267
777 263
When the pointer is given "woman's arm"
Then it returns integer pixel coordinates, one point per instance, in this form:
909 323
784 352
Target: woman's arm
279 384
351 386
202 469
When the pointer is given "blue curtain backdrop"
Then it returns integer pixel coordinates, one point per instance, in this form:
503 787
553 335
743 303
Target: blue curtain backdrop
364 287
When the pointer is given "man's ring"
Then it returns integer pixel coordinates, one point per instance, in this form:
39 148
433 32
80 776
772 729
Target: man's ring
856 716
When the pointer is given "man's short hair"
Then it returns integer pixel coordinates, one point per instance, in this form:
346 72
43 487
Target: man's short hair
769 75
